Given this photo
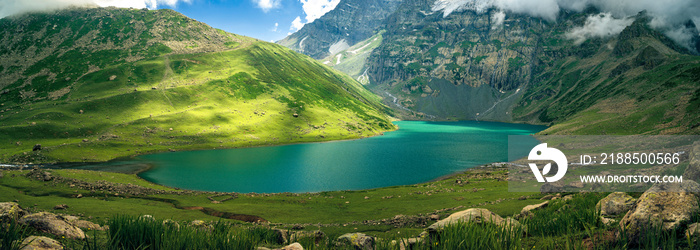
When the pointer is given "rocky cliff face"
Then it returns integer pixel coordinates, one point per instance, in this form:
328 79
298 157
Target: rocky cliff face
503 66
485 59
350 22
463 48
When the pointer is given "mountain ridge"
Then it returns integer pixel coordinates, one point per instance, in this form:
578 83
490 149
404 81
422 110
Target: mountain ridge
469 66
340 28
110 82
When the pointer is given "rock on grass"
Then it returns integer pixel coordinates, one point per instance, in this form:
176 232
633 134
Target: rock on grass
11 210
668 206
53 224
615 204
41 243
477 215
357 240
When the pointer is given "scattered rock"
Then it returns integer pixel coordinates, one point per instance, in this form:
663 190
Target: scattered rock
36 147
547 197
11 210
53 224
293 246
60 207
46 176
434 216
527 210
83 224
478 215
693 230
295 115
357 240
551 187
576 184
665 205
284 236
410 243
568 197
198 223
41 243
615 204
111 78
607 221
86 140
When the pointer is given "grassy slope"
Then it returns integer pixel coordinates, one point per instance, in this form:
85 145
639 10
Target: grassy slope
333 209
239 97
638 83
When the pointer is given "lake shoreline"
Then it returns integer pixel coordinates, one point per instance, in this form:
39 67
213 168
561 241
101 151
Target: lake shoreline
425 151
61 165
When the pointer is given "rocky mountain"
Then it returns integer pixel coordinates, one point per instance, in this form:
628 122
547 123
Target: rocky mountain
505 66
349 23
98 83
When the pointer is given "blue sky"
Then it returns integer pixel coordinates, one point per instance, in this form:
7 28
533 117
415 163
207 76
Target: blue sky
245 17
268 20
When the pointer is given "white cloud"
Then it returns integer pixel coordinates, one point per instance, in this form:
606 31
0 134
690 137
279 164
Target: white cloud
313 9
11 7
602 25
317 8
267 5
547 9
667 15
296 24
275 28
497 19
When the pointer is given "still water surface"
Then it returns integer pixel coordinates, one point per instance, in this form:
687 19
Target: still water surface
418 152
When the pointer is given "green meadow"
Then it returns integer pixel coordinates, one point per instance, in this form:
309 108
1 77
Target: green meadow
262 94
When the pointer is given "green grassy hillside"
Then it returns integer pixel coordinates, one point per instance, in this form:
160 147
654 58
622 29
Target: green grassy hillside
638 83
107 86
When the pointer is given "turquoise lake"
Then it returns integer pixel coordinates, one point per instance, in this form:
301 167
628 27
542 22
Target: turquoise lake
418 152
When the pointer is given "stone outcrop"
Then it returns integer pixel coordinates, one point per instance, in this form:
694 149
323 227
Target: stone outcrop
41 243
357 240
476 215
83 224
668 206
293 246
284 236
527 210
11 210
615 204
53 224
